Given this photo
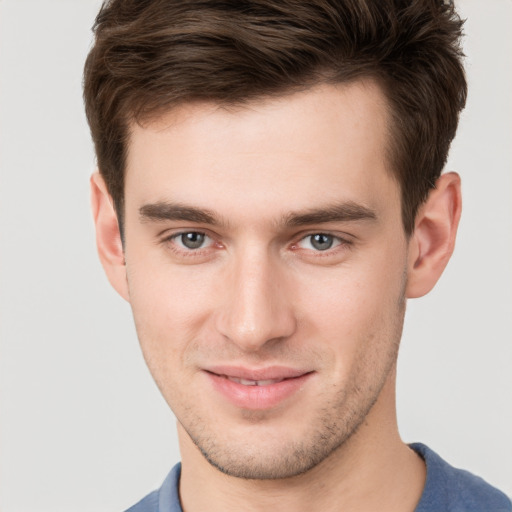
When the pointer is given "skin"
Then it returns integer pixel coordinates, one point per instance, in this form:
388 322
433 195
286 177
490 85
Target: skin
258 292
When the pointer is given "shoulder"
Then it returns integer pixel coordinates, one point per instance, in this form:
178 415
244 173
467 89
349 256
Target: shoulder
147 504
165 499
455 490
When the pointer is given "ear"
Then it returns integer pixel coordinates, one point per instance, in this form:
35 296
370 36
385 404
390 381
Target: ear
108 236
432 243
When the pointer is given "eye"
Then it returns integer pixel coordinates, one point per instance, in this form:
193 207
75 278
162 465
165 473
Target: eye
319 242
191 240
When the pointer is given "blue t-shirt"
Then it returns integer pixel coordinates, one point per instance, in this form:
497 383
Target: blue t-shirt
447 489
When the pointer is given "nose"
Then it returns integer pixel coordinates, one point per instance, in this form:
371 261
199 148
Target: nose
257 308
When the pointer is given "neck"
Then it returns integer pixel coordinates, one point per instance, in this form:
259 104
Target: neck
373 470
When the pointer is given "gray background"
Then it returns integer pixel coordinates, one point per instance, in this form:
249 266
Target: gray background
82 425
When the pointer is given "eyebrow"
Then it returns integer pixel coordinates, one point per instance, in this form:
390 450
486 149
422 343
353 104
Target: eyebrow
343 212
175 211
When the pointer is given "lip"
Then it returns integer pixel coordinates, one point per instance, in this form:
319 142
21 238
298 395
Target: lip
287 382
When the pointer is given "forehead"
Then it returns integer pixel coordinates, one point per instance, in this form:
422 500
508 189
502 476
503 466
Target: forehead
325 144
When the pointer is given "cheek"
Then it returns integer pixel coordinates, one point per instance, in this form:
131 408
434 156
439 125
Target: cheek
351 296
354 311
169 306
164 294
162 311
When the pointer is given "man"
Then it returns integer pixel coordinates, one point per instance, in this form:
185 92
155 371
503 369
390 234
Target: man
269 196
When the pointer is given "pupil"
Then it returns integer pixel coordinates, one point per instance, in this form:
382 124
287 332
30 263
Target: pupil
321 242
192 240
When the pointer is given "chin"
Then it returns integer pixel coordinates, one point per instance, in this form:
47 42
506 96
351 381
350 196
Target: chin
265 466
265 455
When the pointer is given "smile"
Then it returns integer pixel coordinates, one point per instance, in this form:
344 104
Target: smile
257 389
247 382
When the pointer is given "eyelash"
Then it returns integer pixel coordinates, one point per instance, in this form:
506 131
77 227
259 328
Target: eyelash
341 243
170 241
336 240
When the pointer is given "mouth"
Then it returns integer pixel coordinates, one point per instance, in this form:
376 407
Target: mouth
248 382
257 389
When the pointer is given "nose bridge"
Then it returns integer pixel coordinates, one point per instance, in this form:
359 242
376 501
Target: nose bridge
256 309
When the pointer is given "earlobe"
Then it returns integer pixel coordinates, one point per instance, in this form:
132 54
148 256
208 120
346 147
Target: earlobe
108 236
432 243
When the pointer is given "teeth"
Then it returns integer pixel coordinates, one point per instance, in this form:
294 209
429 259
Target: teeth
247 382
268 382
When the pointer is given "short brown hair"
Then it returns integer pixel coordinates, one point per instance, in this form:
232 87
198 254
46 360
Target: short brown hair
152 55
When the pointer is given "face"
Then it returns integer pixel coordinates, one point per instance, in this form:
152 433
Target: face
266 265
